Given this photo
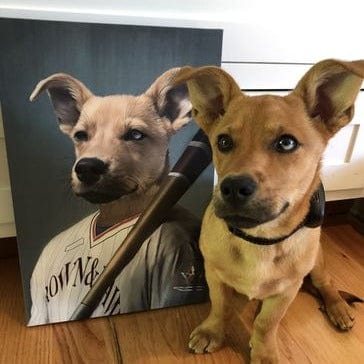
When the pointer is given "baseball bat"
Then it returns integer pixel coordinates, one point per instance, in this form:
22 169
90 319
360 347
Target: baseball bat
196 157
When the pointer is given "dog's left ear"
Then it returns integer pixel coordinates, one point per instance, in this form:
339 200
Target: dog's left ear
67 94
329 90
171 100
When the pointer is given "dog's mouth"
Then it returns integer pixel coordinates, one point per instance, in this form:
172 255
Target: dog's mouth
245 221
99 197
102 197
105 190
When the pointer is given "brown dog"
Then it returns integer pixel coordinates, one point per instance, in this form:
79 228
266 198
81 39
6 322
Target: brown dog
267 152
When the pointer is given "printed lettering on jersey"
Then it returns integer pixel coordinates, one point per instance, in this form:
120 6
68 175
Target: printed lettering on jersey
82 272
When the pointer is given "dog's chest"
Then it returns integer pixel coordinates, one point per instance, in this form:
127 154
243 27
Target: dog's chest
255 278
252 270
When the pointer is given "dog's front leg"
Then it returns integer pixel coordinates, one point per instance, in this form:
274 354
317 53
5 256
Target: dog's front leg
263 342
210 335
339 312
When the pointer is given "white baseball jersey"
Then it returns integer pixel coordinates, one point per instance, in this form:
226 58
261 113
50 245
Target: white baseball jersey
166 271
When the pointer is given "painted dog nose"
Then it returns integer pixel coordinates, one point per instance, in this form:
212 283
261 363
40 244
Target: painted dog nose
237 189
89 170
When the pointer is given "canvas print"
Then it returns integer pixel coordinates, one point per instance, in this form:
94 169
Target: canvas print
88 153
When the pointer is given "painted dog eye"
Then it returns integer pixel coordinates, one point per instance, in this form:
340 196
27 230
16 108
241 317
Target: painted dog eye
80 136
134 135
286 144
224 143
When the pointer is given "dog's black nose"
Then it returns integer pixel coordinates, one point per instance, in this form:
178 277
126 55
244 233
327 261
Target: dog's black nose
89 170
237 189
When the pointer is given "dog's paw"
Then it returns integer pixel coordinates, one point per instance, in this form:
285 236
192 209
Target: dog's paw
203 340
341 315
263 352
264 360
264 357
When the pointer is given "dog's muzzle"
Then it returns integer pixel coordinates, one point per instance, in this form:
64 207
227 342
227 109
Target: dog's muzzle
238 204
96 185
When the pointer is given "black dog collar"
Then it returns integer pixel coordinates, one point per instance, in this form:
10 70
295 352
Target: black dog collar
262 241
313 219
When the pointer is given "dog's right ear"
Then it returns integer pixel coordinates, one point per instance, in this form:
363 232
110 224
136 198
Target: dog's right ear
67 95
210 89
329 90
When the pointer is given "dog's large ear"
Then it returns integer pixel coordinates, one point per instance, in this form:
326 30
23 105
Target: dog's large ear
171 100
67 95
329 90
211 89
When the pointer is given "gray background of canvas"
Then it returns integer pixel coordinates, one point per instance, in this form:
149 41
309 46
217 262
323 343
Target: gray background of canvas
109 59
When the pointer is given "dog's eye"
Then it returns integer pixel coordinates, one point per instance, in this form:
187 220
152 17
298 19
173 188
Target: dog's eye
286 143
134 134
224 143
80 136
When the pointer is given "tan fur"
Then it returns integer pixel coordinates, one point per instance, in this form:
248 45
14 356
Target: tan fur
320 105
135 168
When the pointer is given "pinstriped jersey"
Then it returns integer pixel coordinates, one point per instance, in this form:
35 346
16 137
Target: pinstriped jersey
166 271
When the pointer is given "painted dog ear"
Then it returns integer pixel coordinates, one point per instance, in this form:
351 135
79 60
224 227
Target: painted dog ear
67 95
171 100
329 90
211 89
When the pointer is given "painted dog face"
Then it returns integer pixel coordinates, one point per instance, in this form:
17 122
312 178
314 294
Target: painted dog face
121 141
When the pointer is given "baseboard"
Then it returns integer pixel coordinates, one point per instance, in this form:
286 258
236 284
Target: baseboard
337 212
356 215
8 248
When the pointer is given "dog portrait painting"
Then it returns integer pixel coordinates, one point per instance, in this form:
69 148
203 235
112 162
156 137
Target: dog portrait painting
89 153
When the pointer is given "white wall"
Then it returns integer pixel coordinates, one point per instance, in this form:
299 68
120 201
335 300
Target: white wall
309 13
255 31
198 9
